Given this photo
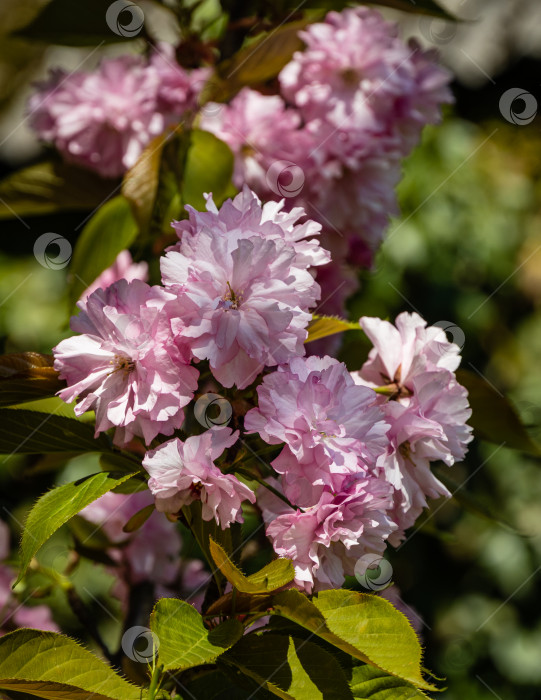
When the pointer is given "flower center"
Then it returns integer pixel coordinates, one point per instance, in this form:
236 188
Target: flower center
122 363
196 488
231 299
350 77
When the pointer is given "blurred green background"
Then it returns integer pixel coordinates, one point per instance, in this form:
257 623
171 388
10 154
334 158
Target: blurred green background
466 250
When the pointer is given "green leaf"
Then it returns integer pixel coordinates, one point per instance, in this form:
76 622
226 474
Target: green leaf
60 23
56 507
139 519
209 168
50 187
27 376
369 683
109 231
275 575
322 326
372 625
184 641
296 607
290 668
49 665
258 62
493 416
34 432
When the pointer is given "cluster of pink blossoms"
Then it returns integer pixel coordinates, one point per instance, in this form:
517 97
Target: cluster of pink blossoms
354 448
353 104
103 120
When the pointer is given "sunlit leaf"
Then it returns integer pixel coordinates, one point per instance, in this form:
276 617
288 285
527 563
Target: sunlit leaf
209 168
370 683
56 507
372 625
184 641
275 575
323 326
49 665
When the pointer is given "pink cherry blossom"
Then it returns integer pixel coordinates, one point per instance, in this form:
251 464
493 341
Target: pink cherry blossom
245 217
102 120
330 427
151 553
183 472
357 77
243 297
125 364
426 408
325 541
122 269
262 133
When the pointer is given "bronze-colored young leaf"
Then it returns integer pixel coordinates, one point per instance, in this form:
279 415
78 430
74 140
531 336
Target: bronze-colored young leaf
51 187
258 62
275 575
27 376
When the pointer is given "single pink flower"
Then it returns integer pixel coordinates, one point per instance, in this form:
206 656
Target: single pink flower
183 472
242 296
330 427
102 120
326 540
125 365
